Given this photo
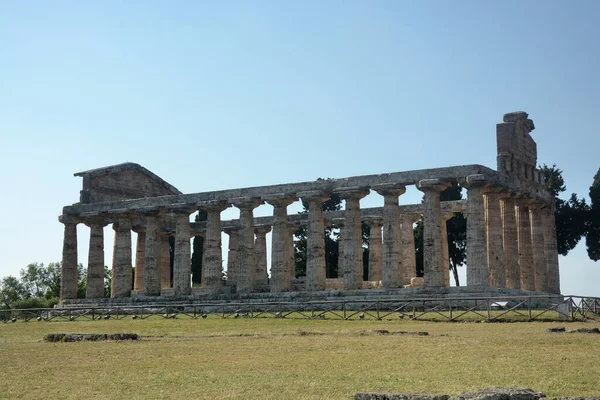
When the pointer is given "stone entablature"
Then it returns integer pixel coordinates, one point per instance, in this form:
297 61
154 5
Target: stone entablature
511 239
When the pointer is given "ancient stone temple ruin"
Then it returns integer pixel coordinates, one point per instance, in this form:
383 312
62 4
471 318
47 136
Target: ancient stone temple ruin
511 234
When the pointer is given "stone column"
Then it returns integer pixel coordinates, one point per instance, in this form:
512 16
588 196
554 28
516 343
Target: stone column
510 244
538 246
165 261
315 239
375 248
68 273
445 248
525 251
408 268
339 223
495 250
260 246
477 259
232 255
182 259
123 273
392 234
114 261
280 247
212 265
246 273
140 259
293 227
353 253
152 257
95 273
432 232
551 249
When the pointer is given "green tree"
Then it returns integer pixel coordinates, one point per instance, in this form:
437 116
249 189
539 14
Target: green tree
592 239
11 291
571 215
35 279
197 251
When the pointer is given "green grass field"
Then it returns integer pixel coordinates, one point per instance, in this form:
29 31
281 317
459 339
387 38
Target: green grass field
292 359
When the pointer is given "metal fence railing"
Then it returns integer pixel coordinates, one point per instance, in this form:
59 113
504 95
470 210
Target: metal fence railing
510 308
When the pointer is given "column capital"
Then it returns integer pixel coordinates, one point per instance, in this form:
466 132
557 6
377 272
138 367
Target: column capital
339 222
246 203
390 189
279 199
213 205
432 185
262 229
412 217
373 221
314 196
493 190
447 216
69 219
95 218
354 192
294 226
181 209
231 230
151 211
474 181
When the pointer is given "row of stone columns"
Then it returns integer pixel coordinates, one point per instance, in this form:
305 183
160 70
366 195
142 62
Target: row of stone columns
509 243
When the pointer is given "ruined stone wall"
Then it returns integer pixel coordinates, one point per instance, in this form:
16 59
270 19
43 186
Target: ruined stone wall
517 151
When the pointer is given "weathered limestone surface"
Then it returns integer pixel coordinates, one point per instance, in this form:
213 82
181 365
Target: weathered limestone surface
232 256
477 268
182 266
392 234
68 282
375 248
315 242
510 244
246 273
165 261
495 250
340 224
152 281
260 246
407 248
432 232
445 248
95 274
280 246
212 266
538 247
353 257
140 260
525 251
123 276
551 250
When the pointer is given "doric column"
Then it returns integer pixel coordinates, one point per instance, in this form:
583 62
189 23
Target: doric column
551 249
292 228
537 246
260 246
433 259
246 273
140 258
123 273
445 248
95 272
495 250
510 243
392 234
212 265
165 260
375 248
152 256
280 247
234 243
524 243
408 266
315 239
353 254
339 223
114 261
182 258
68 273
477 260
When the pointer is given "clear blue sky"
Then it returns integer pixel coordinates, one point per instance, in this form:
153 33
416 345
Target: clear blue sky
233 94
